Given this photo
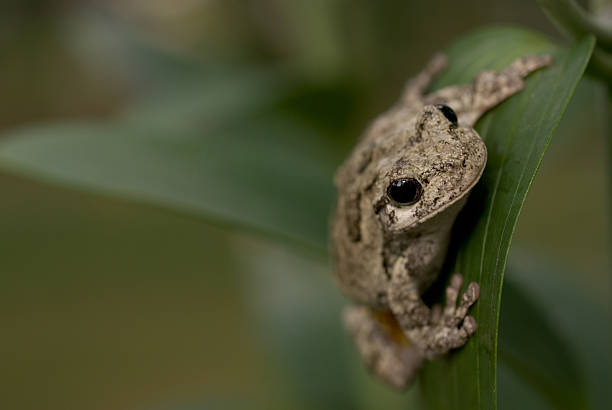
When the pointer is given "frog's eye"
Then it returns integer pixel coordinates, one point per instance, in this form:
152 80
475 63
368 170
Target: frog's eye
448 113
405 191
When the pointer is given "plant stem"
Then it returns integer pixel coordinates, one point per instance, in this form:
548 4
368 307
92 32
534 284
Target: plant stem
577 22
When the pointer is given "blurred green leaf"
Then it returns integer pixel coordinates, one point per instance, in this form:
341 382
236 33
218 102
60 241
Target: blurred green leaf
532 348
579 317
516 134
516 393
295 310
213 148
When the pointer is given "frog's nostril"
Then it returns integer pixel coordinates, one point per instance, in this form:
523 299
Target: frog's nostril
405 191
448 112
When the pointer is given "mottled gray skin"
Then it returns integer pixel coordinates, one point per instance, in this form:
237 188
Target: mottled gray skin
386 255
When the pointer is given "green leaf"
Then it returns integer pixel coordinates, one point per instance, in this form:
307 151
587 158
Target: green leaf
213 148
581 319
297 316
515 393
516 134
532 348
295 309
577 312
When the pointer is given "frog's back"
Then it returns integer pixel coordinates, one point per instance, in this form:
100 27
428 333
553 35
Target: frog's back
356 242
358 265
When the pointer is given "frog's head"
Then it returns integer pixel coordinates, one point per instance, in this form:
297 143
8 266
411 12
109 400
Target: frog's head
428 172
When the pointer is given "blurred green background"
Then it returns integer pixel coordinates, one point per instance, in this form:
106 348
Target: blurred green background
110 304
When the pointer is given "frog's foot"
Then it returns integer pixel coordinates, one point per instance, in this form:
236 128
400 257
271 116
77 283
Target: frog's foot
449 328
522 67
453 314
382 346
490 88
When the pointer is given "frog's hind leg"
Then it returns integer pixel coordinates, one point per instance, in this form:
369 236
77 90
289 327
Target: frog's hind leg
488 89
383 346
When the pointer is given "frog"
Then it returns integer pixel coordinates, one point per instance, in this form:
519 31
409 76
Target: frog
398 195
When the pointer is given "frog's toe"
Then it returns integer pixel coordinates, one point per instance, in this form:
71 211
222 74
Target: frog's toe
440 340
453 314
470 325
459 337
467 300
452 293
524 66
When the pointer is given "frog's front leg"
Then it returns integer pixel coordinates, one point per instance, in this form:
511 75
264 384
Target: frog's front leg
414 90
488 89
452 327
383 347
433 331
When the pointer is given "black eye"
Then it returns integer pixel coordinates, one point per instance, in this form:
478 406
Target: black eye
448 113
405 191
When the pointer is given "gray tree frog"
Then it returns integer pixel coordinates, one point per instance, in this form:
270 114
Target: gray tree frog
399 193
